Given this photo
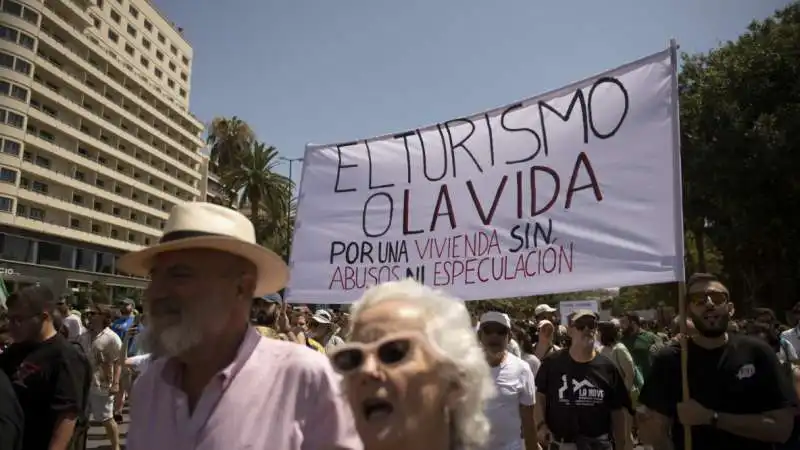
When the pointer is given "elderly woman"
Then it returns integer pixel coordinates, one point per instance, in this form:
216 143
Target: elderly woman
413 371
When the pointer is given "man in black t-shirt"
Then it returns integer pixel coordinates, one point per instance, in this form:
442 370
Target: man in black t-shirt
581 394
49 375
11 419
740 398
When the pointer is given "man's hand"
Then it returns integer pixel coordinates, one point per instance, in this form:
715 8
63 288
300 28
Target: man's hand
692 413
545 436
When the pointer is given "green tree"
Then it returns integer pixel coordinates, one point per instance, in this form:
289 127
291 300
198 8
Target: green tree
740 110
99 293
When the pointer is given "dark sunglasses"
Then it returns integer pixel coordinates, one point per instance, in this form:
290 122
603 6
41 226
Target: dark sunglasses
583 325
701 298
498 331
391 350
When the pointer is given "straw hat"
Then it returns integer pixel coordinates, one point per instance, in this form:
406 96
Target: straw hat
199 225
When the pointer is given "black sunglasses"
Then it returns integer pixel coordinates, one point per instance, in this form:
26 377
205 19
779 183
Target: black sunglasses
581 325
391 351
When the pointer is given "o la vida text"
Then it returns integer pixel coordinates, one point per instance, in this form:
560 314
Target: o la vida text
360 264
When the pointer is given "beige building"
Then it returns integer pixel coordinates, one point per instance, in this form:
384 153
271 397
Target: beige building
96 139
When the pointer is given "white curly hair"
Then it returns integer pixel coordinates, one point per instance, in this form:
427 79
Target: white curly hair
450 330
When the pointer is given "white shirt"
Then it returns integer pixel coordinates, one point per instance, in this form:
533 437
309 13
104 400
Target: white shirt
139 363
513 347
532 361
792 336
515 385
74 326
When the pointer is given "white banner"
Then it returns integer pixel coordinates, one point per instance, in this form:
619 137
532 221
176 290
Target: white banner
572 190
568 307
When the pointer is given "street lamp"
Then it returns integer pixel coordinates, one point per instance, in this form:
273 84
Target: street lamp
291 162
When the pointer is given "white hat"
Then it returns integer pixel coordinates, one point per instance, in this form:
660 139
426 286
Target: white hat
542 309
200 225
322 316
496 317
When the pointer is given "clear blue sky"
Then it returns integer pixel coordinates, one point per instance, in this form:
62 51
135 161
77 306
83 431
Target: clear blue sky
324 71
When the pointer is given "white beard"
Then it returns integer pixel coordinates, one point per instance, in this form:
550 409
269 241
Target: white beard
172 341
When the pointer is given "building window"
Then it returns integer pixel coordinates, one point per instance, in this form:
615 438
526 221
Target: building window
27 41
41 161
74 223
6 60
31 16
95 228
12 118
185 61
11 147
6 204
134 12
8 175
40 187
51 254
161 38
131 30
146 43
9 34
100 4
12 7
128 49
183 93
22 66
37 214
158 73
174 50
184 77
172 66
113 36
115 16
80 176
171 84
15 248
96 22
77 199
159 55
144 61
19 93
22 210
148 26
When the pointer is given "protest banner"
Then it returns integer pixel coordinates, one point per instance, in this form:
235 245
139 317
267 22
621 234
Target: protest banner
572 190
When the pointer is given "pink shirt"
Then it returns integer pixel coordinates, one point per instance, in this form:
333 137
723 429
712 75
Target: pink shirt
274 396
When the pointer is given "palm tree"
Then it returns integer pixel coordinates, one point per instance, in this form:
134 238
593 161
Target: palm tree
259 186
229 139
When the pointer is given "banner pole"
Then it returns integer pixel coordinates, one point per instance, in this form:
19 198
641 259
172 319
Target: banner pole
676 140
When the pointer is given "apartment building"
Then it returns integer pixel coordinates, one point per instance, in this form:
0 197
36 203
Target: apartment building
96 139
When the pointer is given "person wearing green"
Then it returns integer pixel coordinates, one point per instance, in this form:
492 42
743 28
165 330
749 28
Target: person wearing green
641 343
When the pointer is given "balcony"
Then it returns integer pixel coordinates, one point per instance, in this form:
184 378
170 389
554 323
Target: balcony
78 135
79 85
74 157
143 82
51 227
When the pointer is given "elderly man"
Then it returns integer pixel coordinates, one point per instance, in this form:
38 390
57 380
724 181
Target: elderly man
215 383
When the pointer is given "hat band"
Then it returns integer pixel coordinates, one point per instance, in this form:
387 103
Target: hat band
186 234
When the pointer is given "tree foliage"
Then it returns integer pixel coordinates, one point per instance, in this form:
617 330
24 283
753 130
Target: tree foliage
740 111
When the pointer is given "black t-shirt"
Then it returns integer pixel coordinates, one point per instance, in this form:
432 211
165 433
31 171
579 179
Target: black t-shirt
11 418
580 396
741 377
50 378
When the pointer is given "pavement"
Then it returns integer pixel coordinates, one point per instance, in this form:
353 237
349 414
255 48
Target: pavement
97 434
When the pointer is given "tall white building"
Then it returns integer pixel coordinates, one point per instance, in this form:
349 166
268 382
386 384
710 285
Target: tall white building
96 139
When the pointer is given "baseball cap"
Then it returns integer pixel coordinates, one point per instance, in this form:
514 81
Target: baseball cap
127 301
580 313
496 317
272 298
543 308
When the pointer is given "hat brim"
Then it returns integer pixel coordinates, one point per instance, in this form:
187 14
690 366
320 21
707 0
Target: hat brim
272 271
321 321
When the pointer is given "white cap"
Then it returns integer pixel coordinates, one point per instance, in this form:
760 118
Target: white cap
543 308
496 317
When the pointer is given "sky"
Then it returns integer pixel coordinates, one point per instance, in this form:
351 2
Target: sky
324 71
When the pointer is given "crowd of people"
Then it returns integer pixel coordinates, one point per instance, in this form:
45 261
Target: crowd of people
216 360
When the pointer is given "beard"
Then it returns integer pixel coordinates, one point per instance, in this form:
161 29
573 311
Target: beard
171 334
714 329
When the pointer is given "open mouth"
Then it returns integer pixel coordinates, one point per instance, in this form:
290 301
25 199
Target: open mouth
377 409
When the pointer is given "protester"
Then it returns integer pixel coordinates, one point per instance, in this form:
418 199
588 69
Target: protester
324 330
50 376
265 312
582 399
214 382
610 347
71 322
413 373
512 409
545 343
106 356
641 343
740 399
792 335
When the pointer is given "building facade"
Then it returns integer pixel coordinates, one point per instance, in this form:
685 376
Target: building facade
96 139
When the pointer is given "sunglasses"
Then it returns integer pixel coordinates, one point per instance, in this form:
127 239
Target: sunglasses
391 350
498 331
584 325
701 298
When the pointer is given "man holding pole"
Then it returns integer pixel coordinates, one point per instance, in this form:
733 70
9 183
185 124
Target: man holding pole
738 397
